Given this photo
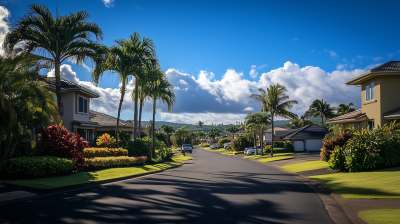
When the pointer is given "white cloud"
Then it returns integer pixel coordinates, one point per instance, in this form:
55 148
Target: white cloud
183 82
207 118
248 109
331 53
108 3
253 73
4 28
73 60
341 66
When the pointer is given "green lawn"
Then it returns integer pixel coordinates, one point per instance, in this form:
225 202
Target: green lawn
275 158
372 184
313 165
87 177
378 216
179 156
266 156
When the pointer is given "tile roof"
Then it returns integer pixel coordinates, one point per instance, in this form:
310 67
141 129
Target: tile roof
108 121
389 66
311 131
66 84
393 112
352 115
85 123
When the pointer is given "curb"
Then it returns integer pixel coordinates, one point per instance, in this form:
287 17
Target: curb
86 185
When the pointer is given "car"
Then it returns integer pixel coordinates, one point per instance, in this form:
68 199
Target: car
252 151
226 145
245 149
214 147
187 148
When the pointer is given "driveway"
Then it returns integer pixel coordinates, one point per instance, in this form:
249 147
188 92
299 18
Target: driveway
212 188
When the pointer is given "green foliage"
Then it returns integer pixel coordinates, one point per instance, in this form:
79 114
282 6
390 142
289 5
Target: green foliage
163 137
104 152
368 149
113 161
166 154
138 148
319 108
35 167
235 143
229 148
204 145
341 139
106 141
299 122
222 141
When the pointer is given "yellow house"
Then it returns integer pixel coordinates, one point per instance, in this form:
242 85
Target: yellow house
380 98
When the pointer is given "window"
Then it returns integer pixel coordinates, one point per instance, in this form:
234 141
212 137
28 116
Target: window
367 93
82 105
371 124
370 91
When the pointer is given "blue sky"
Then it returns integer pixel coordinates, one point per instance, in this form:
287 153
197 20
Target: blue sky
311 47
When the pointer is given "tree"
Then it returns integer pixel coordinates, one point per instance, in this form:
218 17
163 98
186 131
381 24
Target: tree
258 123
275 102
319 108
163 91
344 109
232 129
214 132
200 125
169 130
182 132
55 39
299 122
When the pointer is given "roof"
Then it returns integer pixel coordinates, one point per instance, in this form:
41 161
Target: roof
68 85
311 131
392 113
227 137
108 121
388 67
278 129
352 116
86 123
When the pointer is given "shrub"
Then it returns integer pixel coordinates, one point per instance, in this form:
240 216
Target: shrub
368 149
57 141
165 154
204 145
267 149
330 145
104 152
279 145
229 148
106 141
35 167
235 145
114 161
138 148
221 142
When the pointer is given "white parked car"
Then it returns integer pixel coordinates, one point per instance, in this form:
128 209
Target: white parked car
187 148
252 151
226 145
214 147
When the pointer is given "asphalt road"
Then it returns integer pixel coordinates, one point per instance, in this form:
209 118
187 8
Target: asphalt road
212 188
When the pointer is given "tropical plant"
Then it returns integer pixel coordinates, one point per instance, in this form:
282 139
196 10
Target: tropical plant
106 141
258 124
222 141
322 109
103 152
299 122
200 125
55 39
344 109
138 147
182 133
115 161
274 101
214 132
232 129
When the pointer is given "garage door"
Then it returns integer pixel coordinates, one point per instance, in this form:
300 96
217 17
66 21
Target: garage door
298 146
314 144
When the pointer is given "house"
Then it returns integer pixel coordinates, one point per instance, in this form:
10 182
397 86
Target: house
277 132
307 138
79 118
380 103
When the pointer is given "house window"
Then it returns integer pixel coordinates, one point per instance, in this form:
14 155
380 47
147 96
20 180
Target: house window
82 105
370 91
84 134
371 124
367 93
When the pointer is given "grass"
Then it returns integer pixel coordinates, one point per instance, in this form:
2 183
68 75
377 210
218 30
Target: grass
377 216
313 165
93 176
266 156
372 184
275 158
178 157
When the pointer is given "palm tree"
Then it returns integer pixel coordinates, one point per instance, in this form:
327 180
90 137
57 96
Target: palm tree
299 122
169 130
163 91
344 109
214 132
232 129
55 39
321 109
182 132
200 125
258 123
275 102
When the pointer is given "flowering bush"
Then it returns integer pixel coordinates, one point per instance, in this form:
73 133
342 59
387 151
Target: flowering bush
106 141
104 152
330 145
112 161
58 142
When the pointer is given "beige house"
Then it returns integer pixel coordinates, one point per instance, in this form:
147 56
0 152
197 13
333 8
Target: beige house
380 91
278 131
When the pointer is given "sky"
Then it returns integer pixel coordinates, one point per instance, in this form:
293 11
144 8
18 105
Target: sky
217 53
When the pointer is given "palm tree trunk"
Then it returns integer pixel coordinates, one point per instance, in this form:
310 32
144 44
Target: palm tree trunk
140 117
135 116
262 141
119 110
153 151
322 119
58 88
272 135
255 141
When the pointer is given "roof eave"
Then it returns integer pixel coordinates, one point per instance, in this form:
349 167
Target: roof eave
392 116
359 79
347 120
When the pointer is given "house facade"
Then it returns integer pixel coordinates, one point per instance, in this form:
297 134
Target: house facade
380 101
278 131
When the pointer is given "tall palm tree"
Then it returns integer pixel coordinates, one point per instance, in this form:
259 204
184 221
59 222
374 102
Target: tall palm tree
321 109
302 121
275 102
169 130
163 91
344 109
232 129
200 125
258 123
214 132
56 39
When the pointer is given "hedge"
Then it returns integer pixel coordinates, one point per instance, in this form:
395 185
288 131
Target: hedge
35 167
103 152
112 161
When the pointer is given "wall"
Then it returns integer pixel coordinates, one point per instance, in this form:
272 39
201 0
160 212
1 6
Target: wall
372 108
390 94
69 109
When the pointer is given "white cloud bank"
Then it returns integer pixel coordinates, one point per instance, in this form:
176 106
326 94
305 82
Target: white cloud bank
207 118
4 28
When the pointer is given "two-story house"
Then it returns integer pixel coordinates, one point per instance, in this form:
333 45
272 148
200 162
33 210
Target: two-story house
380 98
79 118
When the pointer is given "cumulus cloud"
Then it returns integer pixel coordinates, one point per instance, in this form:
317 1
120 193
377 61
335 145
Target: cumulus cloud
73 60
183 82
4 28
253 73
248 109
341 66
108 3
207 118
